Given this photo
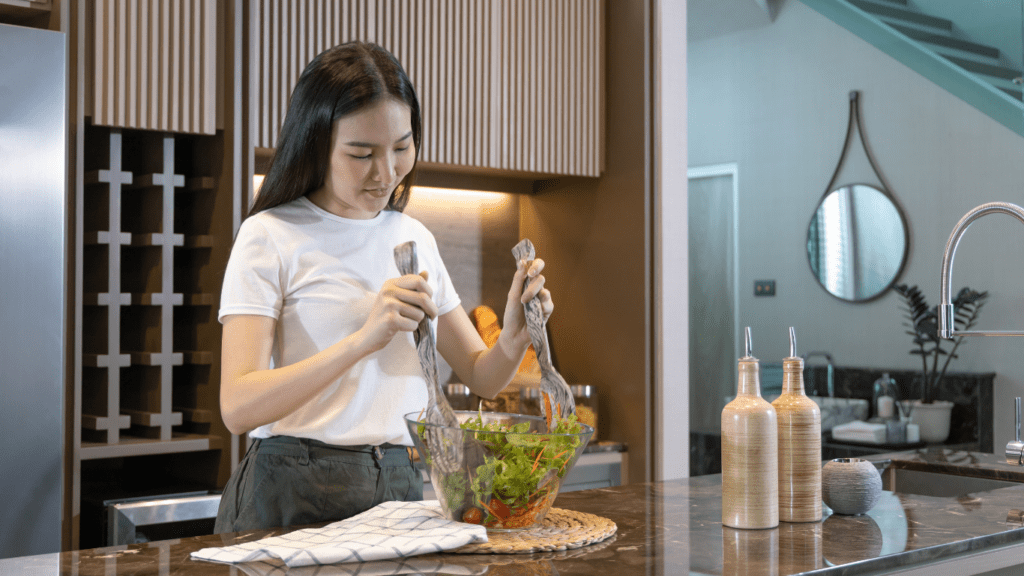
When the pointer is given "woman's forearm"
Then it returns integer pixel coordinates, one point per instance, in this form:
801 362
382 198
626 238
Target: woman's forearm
250 399
494 368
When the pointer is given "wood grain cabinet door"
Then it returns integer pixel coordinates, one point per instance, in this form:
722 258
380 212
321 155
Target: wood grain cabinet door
152 64
504 85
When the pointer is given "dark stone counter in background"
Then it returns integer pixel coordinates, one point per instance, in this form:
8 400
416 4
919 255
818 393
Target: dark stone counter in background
971 423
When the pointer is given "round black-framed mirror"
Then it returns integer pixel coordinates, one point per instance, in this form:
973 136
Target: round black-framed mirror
857 242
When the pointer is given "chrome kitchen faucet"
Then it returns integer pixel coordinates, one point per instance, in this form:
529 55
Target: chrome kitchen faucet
946 313
1014 448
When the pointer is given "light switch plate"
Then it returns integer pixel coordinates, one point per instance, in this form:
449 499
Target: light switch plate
764 287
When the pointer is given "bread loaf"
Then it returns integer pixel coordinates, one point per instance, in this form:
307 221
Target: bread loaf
486 323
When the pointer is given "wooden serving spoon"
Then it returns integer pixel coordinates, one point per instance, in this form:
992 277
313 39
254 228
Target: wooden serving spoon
551 382
448 455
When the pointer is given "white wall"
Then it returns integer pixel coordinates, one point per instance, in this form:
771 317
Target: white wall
775 101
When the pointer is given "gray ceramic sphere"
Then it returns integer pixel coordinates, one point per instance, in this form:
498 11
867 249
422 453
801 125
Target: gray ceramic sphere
850 485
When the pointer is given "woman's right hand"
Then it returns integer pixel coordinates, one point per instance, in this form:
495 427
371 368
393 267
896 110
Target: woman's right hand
399 307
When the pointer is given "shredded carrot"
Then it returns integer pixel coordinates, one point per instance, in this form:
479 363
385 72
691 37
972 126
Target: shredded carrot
537 461
547 408
527 515
489 509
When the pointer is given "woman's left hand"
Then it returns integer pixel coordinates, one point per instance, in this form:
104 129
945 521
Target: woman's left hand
514 324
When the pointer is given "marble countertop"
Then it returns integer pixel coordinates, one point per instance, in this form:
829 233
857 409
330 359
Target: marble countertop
671 527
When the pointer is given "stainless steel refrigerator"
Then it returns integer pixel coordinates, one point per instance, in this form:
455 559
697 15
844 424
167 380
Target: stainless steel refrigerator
33 263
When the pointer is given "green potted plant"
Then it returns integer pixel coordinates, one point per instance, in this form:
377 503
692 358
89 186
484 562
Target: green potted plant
930 414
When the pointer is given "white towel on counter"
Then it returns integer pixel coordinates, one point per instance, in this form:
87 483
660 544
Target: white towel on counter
394 567
858 431
388 530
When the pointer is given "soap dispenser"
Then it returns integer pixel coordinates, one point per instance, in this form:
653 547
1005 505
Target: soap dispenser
750 476
885 403
799 427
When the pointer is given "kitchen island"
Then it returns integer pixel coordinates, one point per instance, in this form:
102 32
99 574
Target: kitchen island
674 527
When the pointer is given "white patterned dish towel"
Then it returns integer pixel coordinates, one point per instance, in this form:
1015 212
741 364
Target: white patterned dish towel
388 530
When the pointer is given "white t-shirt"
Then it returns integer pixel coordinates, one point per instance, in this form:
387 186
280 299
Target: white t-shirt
318 274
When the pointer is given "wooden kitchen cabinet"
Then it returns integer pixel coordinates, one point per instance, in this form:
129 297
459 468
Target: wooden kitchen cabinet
505 86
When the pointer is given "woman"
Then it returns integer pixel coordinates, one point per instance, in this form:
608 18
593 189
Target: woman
318 359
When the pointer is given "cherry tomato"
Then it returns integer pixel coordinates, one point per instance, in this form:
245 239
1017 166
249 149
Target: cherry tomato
473 516
500 509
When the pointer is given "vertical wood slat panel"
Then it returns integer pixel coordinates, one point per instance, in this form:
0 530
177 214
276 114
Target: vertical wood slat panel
152 102
174 55
209 74
551 86
163 104
119 32
544 66
532 83
508 84
154 65
499 80
185 53
591 47
143 71
520 82
577 85
131 77
274 60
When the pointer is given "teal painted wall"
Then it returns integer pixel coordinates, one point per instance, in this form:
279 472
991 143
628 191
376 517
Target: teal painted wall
774 100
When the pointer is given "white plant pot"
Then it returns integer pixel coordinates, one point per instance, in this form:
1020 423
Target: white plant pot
932 419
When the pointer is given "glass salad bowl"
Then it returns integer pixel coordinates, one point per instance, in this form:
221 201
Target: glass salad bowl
500 470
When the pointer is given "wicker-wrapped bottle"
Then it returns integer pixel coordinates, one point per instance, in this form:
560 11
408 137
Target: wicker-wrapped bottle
750 477
799 422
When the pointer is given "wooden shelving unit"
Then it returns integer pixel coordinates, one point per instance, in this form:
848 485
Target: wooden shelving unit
154 240
129 446
136 239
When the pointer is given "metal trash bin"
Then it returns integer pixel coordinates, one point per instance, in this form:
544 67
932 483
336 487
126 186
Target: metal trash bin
136 520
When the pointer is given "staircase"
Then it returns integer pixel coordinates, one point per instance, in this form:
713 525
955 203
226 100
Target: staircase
933 47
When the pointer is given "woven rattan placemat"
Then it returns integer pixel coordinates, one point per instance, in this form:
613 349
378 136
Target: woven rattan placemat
560 530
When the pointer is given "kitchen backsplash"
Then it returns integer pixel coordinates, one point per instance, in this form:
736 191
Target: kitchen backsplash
475 232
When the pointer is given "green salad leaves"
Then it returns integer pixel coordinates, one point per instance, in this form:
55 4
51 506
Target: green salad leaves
519 467
518 479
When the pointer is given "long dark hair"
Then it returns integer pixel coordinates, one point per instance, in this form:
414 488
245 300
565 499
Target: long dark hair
338 82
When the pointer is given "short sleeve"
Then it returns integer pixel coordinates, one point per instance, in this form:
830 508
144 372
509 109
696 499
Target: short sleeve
445 296
254 278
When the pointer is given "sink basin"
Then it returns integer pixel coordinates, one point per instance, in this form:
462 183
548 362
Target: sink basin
940 484
836 411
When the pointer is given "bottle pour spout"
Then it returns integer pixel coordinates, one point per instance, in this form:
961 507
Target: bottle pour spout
747 346
792 342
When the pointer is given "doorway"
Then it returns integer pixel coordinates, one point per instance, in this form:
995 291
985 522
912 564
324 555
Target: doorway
714 306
